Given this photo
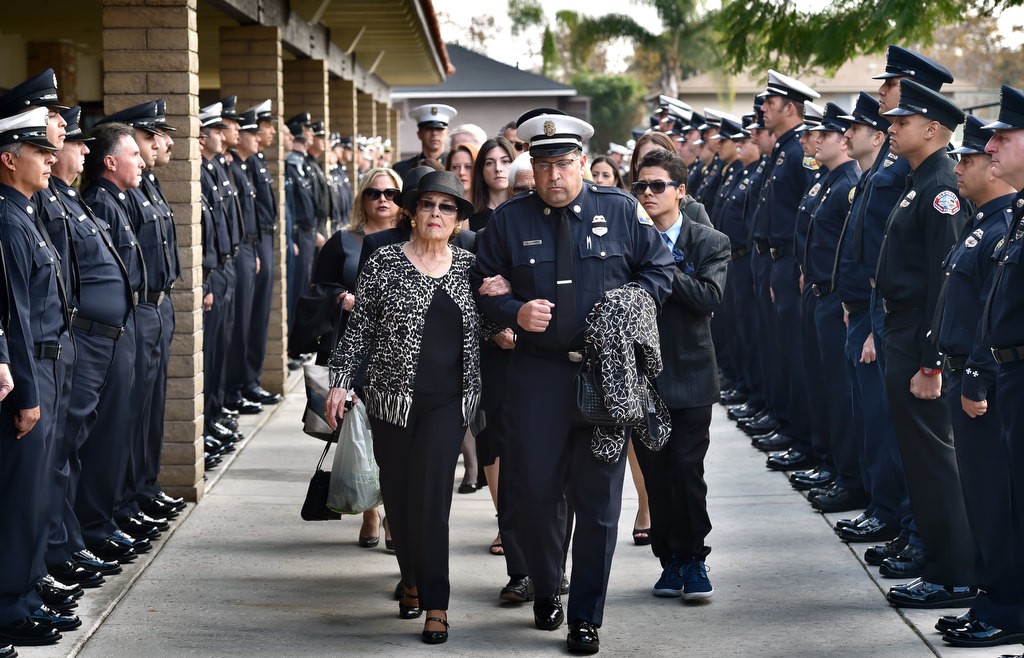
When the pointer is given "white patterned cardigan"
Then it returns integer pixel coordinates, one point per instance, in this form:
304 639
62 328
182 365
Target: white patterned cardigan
386 330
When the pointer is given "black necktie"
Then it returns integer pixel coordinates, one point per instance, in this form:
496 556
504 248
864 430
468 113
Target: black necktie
565 291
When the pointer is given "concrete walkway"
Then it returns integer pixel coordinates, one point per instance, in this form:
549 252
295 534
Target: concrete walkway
242 575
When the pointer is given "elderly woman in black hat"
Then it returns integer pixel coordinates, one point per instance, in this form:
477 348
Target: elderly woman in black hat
416 326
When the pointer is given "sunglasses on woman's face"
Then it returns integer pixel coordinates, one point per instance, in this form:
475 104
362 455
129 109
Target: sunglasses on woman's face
373 193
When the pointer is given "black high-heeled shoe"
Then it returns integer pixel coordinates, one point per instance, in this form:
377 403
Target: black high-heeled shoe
409 606
436 637
389 544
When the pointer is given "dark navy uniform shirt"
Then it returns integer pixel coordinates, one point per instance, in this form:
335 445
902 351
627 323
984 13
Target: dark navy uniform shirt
921 229
614 240
707 192
786 179
266 203
246 198
115 208
969 273
827 222
221 235
230 201
731 177
1004 319
881 193
848 276
803 215
695 174
51 210
157 235
297 180
37 315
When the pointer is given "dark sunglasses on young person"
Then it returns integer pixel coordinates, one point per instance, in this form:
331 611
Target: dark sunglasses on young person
657 186
520 146
373 193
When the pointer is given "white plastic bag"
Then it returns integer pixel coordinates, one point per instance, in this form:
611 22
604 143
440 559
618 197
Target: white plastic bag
355 479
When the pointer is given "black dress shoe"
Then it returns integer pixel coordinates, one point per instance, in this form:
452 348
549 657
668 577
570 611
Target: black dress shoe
27 633
774 442
112 550
741 412
819 478
211 462
980 634
230 413
59 603
790 460
922 594
69 572
137 529
871 529
159 524
547 613
436 637
175 502
409 606
733 397
583 637
157 509
211 445
87 560
840 499
228 422
949 622
564 587
909 563
74 589
877 554
518 590
263 396
56 620
137 544
8 652
761 426
224 435
244 406
849 523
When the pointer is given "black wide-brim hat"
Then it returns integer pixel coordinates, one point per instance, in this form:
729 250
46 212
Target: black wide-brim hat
444 182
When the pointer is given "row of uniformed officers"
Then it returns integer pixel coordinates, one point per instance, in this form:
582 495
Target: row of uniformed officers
872 324
86 334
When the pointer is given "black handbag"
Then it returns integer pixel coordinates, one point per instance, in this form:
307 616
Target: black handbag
314 508
590 406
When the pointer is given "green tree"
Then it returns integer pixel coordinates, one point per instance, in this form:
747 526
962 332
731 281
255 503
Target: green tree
615 105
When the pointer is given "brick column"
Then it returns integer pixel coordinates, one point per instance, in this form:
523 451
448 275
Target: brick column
150 50
344 119
59 56
367 114
394 122
251 68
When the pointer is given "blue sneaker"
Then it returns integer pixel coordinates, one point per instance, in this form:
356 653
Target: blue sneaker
671 581
696 585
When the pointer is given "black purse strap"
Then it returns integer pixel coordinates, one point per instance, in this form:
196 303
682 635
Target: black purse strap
323 456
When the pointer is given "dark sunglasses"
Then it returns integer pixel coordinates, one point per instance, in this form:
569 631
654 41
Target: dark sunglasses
448 209
373 193
518 189
657 186
520 146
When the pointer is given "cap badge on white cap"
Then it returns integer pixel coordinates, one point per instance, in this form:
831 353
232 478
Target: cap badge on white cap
549 128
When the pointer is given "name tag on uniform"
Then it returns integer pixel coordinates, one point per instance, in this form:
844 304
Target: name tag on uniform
532 243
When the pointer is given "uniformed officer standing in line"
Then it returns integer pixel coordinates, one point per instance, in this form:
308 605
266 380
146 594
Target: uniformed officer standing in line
315 153
919 233
263 289
339 184
342 147
843 429
432 130
38 318
691 135
299 185
707 193
999 615
981 452
776 275
569 242
881 469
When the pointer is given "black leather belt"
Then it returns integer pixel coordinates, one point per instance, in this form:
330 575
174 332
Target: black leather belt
1008 354
97 328
302 229
572 356
47 350
778 253
955 363
890 306
855 307
740 253
269 228
761 246
251 239
227 258
155 297
821 289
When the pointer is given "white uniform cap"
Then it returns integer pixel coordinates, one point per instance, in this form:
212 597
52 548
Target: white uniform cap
783 85
551 135
433 115
28 127
210 116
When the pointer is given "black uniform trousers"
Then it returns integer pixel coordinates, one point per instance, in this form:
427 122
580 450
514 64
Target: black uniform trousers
881 465
739 297
983 458
213 346
845 424
549 458
676 490
417 467
227 331
1004 608
929 459
155 430
106 453
148 336
768 355
240 341
785 278
94 357
26 466
813 403
63 445
302 272
262 296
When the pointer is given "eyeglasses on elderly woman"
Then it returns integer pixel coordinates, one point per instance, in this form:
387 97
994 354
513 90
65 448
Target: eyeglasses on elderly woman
447 209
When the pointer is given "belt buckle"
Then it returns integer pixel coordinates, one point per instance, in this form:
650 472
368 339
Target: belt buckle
774 252
576 357
60 350
995 354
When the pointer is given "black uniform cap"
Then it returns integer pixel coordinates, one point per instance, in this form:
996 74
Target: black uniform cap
72 116
900 63
40 91
143 116
228 109
298 122
915 98
1011 110
832 120
976 136
865 112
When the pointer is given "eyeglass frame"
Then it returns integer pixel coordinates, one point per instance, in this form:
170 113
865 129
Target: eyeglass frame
446 208
560 165
654 185
374 194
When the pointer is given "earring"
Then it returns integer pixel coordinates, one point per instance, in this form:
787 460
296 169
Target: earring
457 229
412 222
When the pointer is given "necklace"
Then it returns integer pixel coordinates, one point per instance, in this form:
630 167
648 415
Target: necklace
423 260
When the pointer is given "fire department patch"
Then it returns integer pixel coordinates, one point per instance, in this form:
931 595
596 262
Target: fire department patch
946 203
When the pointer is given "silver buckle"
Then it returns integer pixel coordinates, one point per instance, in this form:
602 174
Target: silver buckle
576 357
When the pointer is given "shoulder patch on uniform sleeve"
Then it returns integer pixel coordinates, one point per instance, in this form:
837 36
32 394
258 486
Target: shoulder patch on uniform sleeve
853 193
947 203
642 216
810 163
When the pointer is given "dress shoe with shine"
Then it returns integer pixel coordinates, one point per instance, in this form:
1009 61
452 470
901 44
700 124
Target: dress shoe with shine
762 426
774 442
922 594
563 589
262 395
244 406
160 524
224 435
806 480
849 523
112 550
138 530
732 396
49 581
230 413
27 633
158 510
176 502
790 460
977 633
949 622
840 499
87 560
211 446
871 529
547 613
518 590
137 544
583 637
210 462
741 412
8 652
875 555
55 599
58 621
69 572
908 564
228 422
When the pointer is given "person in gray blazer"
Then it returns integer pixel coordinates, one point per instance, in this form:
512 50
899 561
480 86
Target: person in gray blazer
674 477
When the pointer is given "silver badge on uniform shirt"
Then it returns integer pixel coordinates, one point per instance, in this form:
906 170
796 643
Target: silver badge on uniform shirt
911 194
971 242
814 190
601 228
